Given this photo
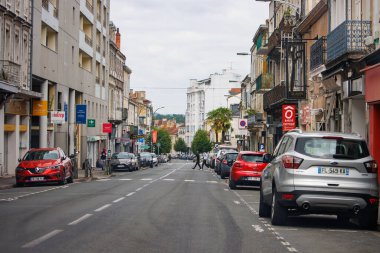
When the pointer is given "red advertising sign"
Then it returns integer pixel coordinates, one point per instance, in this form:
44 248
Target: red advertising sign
154 136
107 128
288 117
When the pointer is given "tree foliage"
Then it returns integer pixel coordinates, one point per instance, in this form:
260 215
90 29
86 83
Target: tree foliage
220 120
163 137
180 118
180 145
201 143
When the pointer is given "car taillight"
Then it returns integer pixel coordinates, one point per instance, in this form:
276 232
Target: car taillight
371 166
224 162
373 201
291 162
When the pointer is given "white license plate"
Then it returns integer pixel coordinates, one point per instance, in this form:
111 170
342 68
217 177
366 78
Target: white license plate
120 166
334 171
253 178
37 179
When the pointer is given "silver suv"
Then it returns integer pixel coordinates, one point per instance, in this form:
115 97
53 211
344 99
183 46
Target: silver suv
320 172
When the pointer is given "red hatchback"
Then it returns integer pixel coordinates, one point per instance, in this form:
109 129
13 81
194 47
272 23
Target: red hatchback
247 169
44 165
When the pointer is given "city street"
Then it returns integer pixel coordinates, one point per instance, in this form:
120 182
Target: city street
169 208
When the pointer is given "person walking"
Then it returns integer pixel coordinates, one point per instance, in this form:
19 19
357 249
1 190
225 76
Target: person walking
205 156
197 161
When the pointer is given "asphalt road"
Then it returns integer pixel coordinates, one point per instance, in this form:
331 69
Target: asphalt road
170 208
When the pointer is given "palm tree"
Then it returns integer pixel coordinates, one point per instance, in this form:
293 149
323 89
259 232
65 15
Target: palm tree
220 121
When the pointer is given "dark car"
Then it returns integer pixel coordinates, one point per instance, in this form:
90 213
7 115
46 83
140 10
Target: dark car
226 162
124 161
145 159
44 165
218 159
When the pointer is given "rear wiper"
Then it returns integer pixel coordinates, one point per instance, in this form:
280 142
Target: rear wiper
339 156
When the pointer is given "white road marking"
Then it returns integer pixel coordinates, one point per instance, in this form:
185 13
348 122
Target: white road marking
343 231
146 179
130 194
212 182
102 208
145 185
237 202
291 249
189 180
285 243
125 179
138 189
168 179
103 180
42 238
86 216
226 189
118 200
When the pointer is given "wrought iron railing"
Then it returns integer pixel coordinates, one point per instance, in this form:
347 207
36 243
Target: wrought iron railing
274 96
89 6
318 53
10 72
88 40
348 37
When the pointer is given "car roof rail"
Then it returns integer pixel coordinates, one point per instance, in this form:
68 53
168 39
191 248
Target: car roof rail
295 130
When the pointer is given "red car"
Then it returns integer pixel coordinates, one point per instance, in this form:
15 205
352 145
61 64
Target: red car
44 165
247 169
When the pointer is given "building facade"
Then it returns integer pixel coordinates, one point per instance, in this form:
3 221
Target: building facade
15 82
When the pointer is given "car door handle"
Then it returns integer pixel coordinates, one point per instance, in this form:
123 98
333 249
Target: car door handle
333 185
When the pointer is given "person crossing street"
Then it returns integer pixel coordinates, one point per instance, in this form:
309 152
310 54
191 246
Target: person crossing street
197 161
205 156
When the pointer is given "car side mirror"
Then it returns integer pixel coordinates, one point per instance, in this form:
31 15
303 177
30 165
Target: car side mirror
19 160
267 158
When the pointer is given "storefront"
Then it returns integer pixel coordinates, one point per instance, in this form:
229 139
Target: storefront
372 97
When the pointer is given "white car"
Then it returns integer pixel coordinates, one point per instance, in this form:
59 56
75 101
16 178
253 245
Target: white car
155 159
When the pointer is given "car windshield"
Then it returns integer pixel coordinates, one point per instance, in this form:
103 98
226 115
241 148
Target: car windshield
231 156
338 148
252 157
121 156
41 155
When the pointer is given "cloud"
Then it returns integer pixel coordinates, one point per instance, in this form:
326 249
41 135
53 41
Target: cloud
168 42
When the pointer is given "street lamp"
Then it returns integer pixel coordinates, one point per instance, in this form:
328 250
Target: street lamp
151 130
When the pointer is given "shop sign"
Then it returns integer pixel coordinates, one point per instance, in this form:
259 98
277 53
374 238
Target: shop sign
40 108
57 117
288 117
16 107
91 123
107 128
81 114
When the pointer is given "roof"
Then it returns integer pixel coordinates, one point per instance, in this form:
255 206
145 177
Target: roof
235 90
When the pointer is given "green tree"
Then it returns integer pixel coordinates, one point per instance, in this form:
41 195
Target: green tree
220 120
163 137
180 145
201 143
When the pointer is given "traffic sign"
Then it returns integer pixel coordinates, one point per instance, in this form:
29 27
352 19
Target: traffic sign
90 123
107 128
243 124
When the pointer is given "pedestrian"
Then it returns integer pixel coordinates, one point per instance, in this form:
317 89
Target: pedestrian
197 156
205 156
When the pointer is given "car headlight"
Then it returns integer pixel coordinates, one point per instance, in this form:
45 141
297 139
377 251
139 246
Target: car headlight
55 167
19 169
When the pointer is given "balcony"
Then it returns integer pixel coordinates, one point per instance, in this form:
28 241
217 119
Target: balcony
348 38
98 48
10 72
88 40
274 96
318 53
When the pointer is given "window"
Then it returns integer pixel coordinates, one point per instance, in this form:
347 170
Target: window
74 15
59 105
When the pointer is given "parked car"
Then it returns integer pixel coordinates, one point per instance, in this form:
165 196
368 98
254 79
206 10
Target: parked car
145 159
124 161
218 159
226 162
327 173
247 169
155 159
162 158
44 165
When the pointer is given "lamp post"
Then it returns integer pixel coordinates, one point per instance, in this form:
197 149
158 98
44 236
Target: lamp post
151 130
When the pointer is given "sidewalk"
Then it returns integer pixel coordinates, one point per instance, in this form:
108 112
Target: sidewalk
7 182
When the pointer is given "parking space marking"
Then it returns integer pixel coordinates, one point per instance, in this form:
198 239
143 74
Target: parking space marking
102 208
212 182
84 217
42 239
125 179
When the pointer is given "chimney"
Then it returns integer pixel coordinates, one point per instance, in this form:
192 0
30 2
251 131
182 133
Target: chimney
117 38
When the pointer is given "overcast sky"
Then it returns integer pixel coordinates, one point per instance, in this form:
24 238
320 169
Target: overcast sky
169 42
